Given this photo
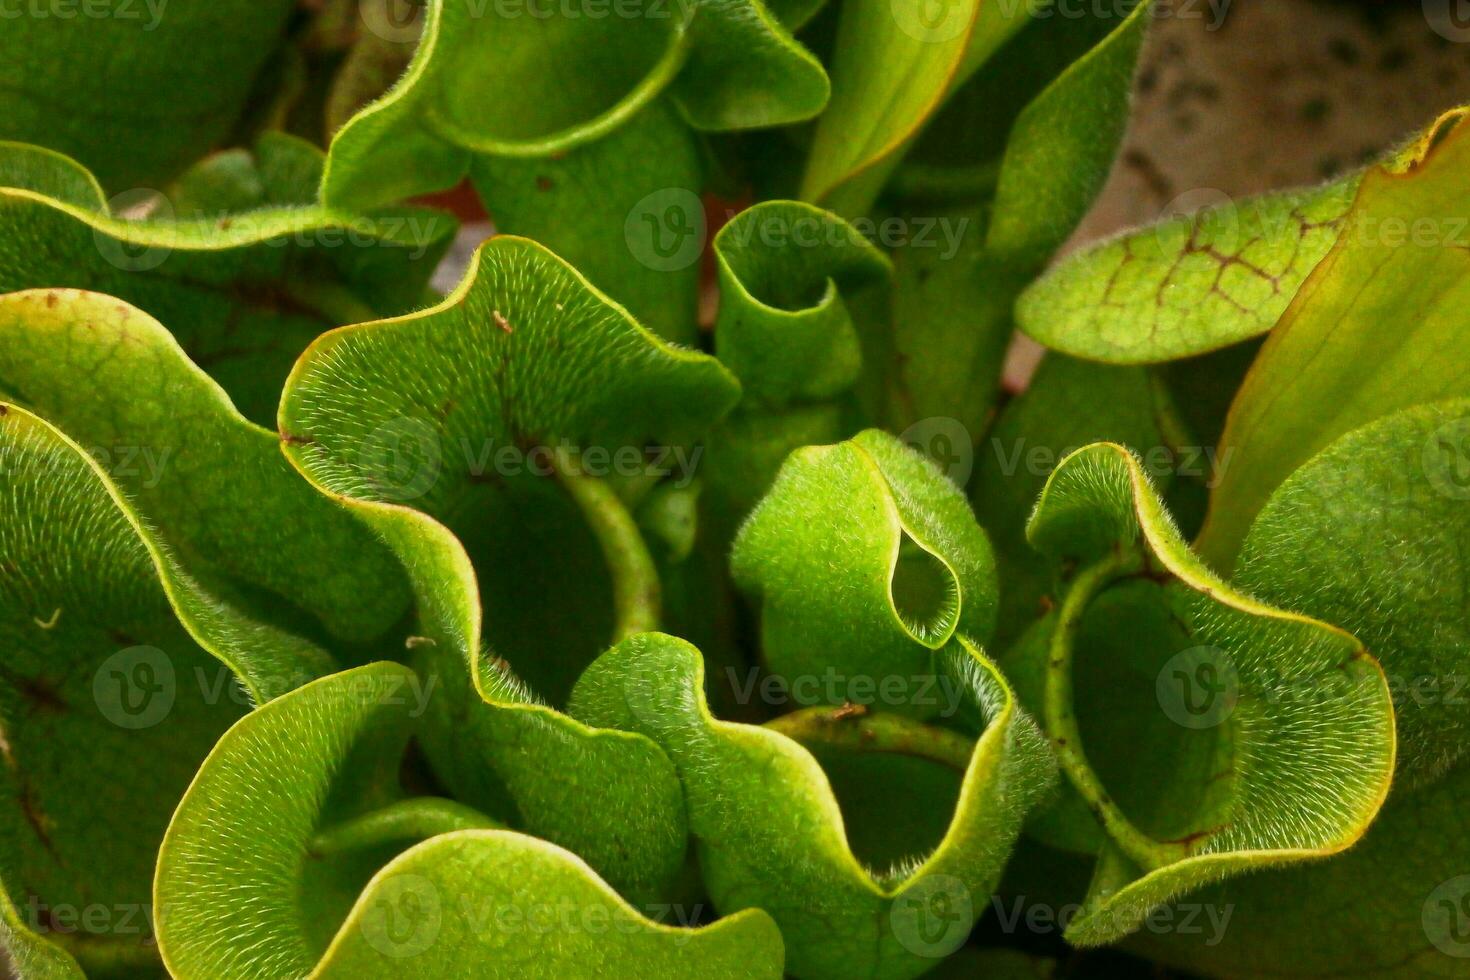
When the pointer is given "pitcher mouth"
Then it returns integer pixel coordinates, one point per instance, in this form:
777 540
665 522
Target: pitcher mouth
477 130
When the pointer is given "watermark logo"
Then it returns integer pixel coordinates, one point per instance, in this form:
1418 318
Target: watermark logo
404 917
932 918
1199 687
395 21
1446 917
1446 458
147 12
404 458
666 230
947 442
139 206
933 21
1450 19
135 688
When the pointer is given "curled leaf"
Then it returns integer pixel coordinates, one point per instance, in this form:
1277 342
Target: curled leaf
784 328
309 783
208 491
486 440
1372 534
1295 715
100 670
791 278
244 292
728 64
866 560
772 833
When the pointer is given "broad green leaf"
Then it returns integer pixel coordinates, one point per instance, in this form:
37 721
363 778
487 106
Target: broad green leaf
1378 327
1204 281
727 63
772 833
261 568
1300 713
1191 284
308 784
894 66
1376 530
474 437
1069 404
140 92
107 705
244 292
1373 534
317 758
864 559
503 905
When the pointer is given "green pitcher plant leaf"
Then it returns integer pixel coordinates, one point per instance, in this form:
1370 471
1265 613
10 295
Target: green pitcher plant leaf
109 699
348 876
574 919
1072 131
895 65
1376 328
1208 279
244 292
1375 529
487 440
783 327
728 64
771 831
208 489
1376 525
957 156
719 580
1291 718
866 560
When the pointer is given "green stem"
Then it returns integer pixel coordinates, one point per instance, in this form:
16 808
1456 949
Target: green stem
636 590
1061 721
858 731
406 820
